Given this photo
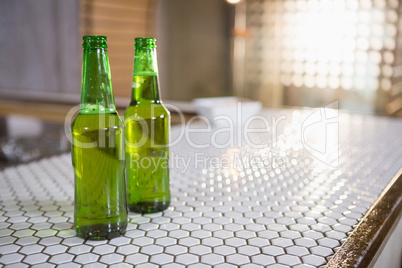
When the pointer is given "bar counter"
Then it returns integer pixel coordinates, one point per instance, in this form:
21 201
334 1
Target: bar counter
290 188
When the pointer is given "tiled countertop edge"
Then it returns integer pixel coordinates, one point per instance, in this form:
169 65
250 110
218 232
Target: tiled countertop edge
361 247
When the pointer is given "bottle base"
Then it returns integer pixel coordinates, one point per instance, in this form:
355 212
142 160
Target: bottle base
148 207
101 231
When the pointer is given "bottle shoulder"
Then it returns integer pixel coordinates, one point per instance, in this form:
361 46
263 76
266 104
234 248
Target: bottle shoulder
96 121
146 110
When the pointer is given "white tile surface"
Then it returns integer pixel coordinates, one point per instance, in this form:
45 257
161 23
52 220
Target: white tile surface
282 242
238 259
189 241
89 265
151 249
137 258
127 249
111 258
9 249
289 260
17 265
187 258
86 258
11 258
263 259
29 240
295 216
225 265
200 250
50 241
161 259
321 251
36 258
56 249
297 251
314 260
43 265
31 249
273 250
61 258
120 265
212 259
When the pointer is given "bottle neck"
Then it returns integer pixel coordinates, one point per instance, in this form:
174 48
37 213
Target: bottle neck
145 87
96 91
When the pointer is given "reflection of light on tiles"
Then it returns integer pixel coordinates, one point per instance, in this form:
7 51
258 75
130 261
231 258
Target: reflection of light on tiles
328 44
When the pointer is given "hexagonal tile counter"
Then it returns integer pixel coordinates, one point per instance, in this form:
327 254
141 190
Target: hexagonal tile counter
280 190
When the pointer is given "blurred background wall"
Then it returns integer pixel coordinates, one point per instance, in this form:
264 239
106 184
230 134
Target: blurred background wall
282 53
39 51
195 48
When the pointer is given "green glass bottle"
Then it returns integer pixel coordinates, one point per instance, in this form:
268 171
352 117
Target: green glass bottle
147 125
98 150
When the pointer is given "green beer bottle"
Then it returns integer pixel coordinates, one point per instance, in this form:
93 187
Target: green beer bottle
147 124
98 150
